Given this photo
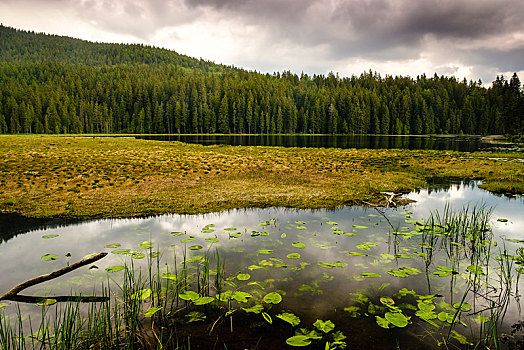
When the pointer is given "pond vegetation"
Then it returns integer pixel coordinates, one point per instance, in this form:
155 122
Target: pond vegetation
380 278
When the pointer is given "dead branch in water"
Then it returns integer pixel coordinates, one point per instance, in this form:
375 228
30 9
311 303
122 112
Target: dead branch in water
14 296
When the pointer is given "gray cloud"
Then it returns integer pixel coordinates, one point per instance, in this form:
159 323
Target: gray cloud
451 33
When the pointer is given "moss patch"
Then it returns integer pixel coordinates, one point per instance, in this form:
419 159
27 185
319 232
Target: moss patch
79 176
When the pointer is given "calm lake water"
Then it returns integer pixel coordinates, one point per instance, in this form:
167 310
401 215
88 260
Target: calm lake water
321 261
453 143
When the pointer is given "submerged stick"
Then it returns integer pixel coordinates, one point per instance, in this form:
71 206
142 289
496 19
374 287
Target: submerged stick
13 293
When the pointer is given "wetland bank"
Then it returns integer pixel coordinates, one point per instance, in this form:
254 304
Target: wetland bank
440 272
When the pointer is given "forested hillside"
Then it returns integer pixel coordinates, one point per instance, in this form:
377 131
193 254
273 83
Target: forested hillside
52 84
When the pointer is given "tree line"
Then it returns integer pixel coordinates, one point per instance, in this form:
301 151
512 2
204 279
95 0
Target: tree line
51 84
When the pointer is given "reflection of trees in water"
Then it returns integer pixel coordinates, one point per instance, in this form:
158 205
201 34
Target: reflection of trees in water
12 225
437 185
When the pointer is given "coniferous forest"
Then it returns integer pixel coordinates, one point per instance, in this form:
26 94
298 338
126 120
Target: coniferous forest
53 84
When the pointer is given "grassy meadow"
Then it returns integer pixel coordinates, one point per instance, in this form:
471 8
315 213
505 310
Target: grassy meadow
84 176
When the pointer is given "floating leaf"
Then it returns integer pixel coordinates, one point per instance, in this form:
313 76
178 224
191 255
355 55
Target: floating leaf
240 296
243 276
189 295
142 294
301 227
324 326
264 251
88 256
254 267
235 235
290 318
357 253
121 251
298 245
293 256
332 223
397 319
169 276
137 255
283 235
360 226
387 301
49 257
178 233
203 300
502 220
272 298
115 268
113 245
370 274
382 322
477 270
298 340
187 240
207 230
404 256
256 309
267 317
195 247
230 229
47 302
146 245
354 311
212 240
444 271
152 310
461 339
462 306
50 236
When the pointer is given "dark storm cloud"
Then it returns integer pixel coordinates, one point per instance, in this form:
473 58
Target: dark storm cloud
487 33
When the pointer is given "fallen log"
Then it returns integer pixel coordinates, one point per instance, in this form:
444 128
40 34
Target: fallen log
13 295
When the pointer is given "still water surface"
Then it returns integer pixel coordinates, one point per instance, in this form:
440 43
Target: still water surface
443 142
342 247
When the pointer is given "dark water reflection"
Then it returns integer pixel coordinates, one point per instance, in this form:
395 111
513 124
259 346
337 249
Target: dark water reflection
309 290
453 143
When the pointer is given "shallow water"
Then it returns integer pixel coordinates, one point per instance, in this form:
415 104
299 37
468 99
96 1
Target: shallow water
341 247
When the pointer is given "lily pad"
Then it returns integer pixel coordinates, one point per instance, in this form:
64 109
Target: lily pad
146 245
243 276
121 251
298 340
203 300
50 236
189 295
113 245
115 268
264 251
152 310
298 245
293 256
187 240
195 247
178 233
324 326
397 319
212 240
370 274
272 298
289 318
49 257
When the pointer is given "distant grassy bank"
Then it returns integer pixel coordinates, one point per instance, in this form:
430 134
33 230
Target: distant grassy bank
79 176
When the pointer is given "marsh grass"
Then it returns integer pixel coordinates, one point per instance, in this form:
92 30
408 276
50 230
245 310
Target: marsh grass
78 176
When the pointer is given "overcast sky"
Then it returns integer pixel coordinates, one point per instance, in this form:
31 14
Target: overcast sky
476 39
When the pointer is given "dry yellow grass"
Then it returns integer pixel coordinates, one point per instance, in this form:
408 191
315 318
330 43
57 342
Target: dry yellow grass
79 176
